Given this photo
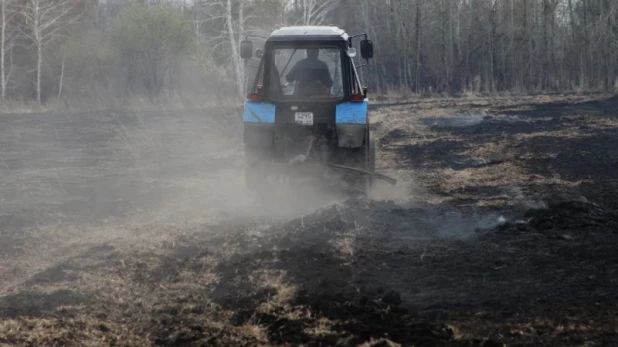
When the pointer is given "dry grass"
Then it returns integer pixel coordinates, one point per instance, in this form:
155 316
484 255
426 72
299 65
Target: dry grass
471 97
79 331
166 262
502 154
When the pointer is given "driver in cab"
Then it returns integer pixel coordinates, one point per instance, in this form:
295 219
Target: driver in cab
312 75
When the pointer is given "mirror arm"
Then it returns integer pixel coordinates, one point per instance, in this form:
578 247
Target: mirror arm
354 36
366 37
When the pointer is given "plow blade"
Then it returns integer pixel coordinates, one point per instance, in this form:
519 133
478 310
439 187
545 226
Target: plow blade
337 175
366 173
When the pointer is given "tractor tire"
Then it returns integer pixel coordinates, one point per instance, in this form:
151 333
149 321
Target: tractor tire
370 164
255 180
371 157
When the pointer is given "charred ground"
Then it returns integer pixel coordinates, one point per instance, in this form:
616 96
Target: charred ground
130 229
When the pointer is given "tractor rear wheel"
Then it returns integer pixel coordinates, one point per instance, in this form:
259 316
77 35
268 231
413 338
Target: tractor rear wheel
255 180
370 163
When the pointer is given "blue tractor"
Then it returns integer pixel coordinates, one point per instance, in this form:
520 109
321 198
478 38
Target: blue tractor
306 114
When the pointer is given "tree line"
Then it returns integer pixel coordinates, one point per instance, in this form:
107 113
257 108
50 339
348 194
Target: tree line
94 50
455 46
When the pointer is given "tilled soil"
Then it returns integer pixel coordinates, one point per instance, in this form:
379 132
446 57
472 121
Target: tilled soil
502 230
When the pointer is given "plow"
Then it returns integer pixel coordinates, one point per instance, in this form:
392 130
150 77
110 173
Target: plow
306 120
304 171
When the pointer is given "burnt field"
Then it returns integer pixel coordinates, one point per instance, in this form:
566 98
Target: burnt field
133 229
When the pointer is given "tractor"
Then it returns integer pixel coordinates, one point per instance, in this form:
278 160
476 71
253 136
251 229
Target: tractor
306 114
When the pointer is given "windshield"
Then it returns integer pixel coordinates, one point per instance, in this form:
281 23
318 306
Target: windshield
306 74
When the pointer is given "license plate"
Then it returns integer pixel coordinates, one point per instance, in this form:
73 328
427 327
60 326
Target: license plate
304 118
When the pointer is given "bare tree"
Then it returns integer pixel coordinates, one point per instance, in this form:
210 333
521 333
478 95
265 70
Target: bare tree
235 30
7 41
229 20
61 80
315 12
418 42
45 20
448 45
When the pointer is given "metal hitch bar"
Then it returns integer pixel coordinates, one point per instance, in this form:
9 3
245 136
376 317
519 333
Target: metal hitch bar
374 174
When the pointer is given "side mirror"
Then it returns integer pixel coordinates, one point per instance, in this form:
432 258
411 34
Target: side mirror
246 49
366 47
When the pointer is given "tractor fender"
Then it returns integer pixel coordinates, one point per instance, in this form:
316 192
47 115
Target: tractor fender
259 122
352 121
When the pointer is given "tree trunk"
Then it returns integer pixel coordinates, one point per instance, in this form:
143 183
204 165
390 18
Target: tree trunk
418 46
2 50
586 47
241 30
38 41
236 60
610 57
525 49
39 65
512 62
443 47
379 77
576 52
61 81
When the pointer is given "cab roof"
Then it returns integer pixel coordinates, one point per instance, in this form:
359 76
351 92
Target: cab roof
309 33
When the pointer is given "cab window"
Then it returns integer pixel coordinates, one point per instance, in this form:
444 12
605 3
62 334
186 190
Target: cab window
305 73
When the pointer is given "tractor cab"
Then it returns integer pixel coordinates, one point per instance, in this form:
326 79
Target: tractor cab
305 64
307 103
